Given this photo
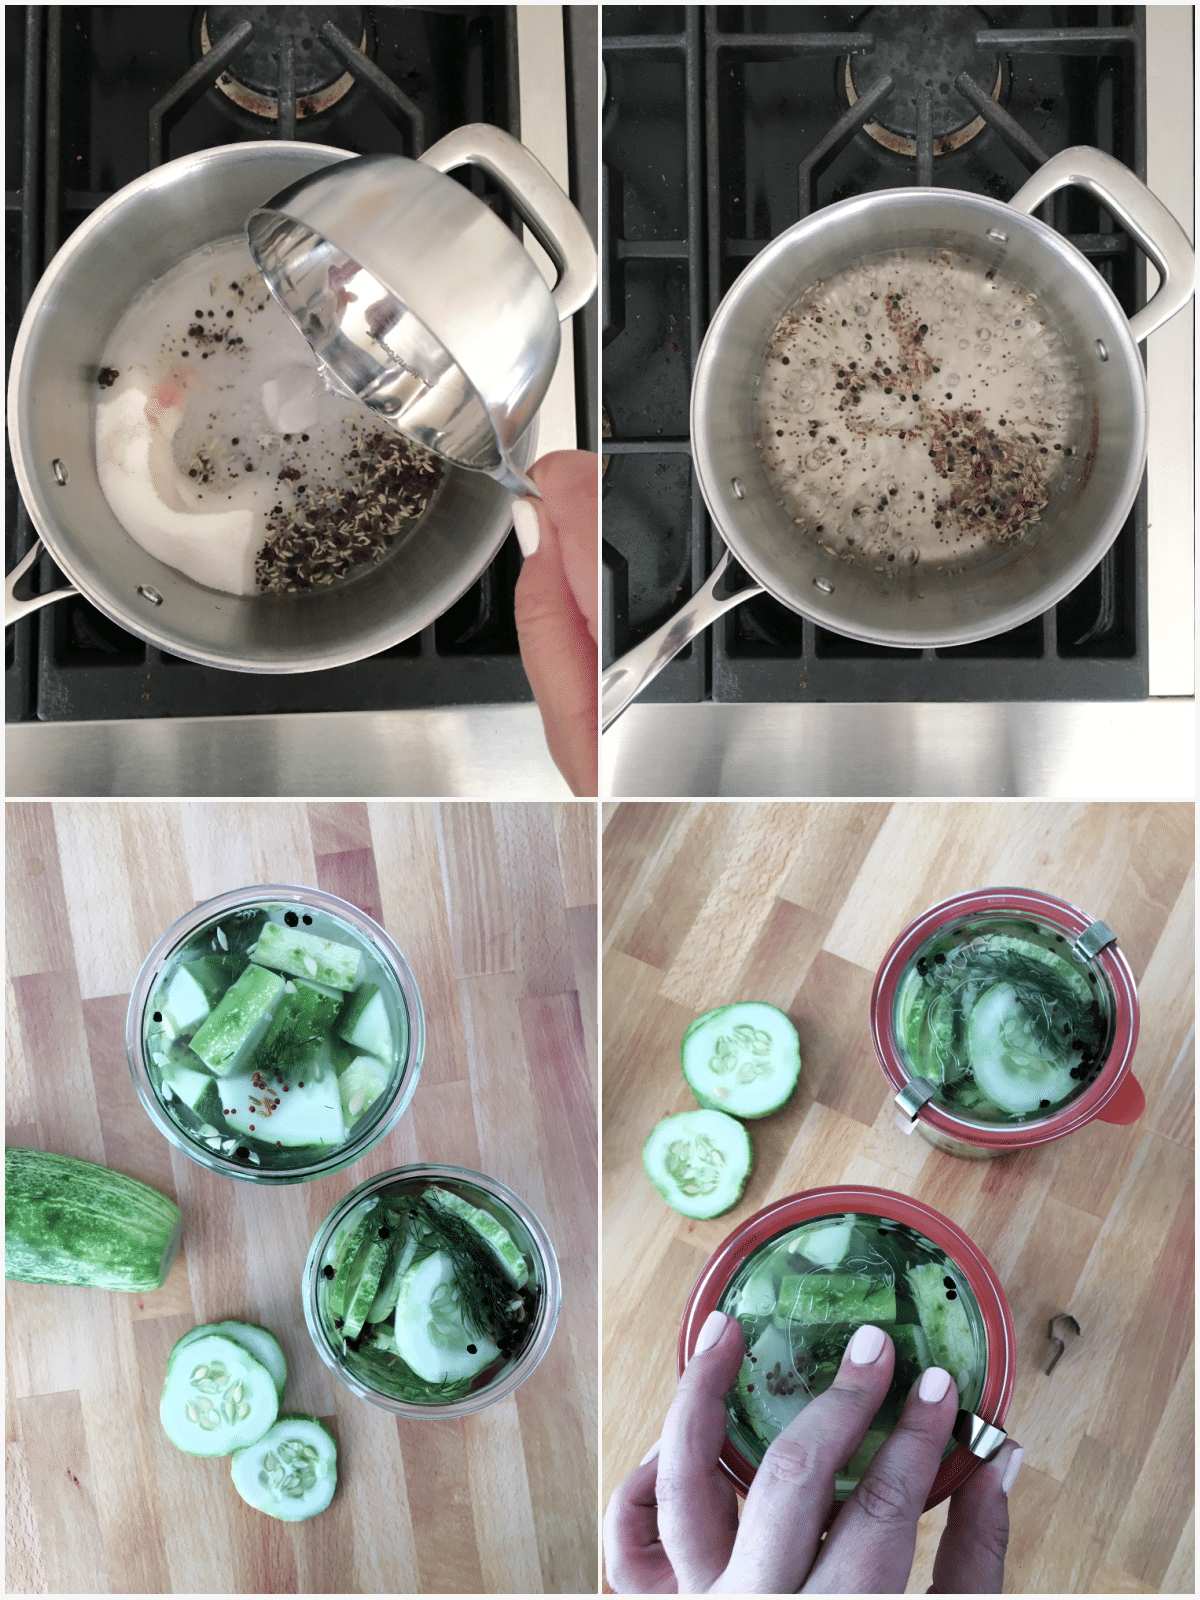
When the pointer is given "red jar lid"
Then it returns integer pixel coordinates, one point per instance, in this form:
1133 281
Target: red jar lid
783 1215
1113 1090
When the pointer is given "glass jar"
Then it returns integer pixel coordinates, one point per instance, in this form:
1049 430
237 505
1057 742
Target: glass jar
297 1100
892 1229
372 1369
973 981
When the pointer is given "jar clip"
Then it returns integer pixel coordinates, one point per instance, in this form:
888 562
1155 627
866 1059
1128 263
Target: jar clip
980 1437
915 1093
1093 939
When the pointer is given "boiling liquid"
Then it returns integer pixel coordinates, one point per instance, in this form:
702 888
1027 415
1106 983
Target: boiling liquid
214 429
800 1296
219 953
1003 1017
917 408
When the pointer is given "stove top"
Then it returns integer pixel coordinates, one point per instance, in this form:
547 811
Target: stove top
99 95
722 128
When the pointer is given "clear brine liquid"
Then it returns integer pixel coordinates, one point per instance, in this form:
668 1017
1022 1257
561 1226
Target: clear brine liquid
799 1298
371 1354
1003 1017
917 408
297 1088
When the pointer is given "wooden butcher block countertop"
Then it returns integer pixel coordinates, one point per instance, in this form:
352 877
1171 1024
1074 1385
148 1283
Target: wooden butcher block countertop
797 904
495 909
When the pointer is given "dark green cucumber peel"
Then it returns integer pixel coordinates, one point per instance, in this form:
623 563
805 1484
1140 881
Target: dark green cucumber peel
68 1221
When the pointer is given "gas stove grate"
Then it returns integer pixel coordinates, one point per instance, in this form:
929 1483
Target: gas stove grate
95 97
741 108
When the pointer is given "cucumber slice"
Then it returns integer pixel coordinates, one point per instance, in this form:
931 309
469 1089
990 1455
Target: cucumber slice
771 1392
264 1346
431 1333
213 975
699 1162
835 1297
217 1397
823 1243
360 1085
352 1239
944 1320
241 1017
743 1059
497 1238
1006 1055
365 1024
368 1274
307 955
384 1302
291 1472
194 1089
303 1113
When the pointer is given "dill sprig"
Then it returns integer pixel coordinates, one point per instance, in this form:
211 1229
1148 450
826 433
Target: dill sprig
387 1371
487 1294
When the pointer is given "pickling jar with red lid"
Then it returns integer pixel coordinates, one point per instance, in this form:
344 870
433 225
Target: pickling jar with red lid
917 1234
1061 950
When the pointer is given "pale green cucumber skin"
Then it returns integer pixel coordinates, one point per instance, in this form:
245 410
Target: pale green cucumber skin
175 1397
289 949
687 1123
246 1464
68 1221
511 1262
369 1277
737 1101
240 1015
258 1342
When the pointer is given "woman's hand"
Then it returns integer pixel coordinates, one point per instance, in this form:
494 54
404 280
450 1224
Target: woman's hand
557 607
673 1524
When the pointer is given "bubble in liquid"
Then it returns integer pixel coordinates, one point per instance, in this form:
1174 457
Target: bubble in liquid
964 344
816 458
983 334
861 308
954 379
983 351
910 555
807 403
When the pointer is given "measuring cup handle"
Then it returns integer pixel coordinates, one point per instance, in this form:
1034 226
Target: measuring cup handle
1137 210
540 203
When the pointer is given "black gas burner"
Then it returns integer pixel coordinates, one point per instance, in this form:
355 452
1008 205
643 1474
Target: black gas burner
923 49
285 42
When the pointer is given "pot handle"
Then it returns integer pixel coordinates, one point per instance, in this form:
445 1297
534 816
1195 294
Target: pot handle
15 609
540 203
1137 210
630 673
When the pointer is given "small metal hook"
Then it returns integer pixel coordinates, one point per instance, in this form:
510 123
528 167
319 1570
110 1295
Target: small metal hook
1063 1316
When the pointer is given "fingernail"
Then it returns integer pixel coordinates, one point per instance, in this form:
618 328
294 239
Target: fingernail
1011 1467
651 1453
934 1383
714 1327
866 1345
525 523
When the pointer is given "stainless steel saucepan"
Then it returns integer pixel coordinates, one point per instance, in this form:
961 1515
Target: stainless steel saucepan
142 232
907 606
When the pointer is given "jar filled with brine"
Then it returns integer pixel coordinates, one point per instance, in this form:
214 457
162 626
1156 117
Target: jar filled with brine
1005 1018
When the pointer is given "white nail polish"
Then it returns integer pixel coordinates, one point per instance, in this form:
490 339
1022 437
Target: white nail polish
934 1383
1011 1468
714 1327
651 1453
525 522
866 1345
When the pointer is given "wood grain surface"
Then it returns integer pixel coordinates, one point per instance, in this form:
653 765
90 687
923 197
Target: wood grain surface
797 904
495 909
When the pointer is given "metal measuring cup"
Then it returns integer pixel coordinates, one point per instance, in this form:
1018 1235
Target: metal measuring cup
419 302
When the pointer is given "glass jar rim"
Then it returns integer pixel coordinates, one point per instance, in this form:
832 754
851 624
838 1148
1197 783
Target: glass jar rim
997 902
788 1212
548 1310
343 1155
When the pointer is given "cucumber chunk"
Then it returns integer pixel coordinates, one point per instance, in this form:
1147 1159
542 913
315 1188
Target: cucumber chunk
1006 1055
431 1332
240 1018
743 1059
184 1005
216 1397
307 955
497 1238
770 1390
365 1024
699 1162
360 1085
835 1297
264 1346
301 1022
368 1275
350 1243
305 1112
823 1243
291 1472
384 1302
944 1320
